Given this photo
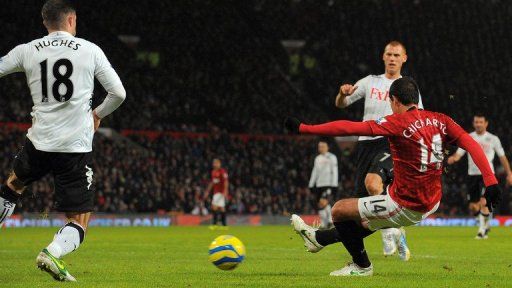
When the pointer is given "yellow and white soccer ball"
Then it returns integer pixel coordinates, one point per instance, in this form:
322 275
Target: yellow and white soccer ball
226 252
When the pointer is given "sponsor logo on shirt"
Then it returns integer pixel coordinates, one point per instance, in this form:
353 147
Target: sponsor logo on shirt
377 94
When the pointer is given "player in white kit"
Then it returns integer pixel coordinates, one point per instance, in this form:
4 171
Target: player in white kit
374 164
491 145
60 71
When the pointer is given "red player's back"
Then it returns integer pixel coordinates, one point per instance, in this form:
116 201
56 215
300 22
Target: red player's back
417 139
219 176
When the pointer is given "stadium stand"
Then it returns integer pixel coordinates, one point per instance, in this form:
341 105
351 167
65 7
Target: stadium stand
220 80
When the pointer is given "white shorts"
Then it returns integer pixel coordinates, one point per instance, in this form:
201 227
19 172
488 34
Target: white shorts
380 211
219 200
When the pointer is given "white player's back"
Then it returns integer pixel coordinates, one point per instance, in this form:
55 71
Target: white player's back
60 71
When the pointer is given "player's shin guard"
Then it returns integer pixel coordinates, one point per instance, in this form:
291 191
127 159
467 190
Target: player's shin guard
66 240
351 235
322 213
8 200
325 216
484 220
328 209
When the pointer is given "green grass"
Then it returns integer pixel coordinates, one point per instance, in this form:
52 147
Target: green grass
177 257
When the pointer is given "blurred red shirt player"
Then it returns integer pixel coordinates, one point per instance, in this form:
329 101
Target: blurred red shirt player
219 184
417 140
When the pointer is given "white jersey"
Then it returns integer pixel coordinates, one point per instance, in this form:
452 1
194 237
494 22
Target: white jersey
60 71
491 145
325 171
375 91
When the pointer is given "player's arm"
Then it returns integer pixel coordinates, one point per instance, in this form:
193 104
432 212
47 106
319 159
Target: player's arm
498 148
226 185
506 166
349 94
12 62
208 189
334 168
456 156
338 128
312 178
466 142
109 79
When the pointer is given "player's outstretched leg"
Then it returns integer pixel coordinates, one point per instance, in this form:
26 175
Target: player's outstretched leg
307 233
65 241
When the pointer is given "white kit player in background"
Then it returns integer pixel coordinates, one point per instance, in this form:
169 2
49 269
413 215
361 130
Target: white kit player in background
374 164
60 70
324 181
491 145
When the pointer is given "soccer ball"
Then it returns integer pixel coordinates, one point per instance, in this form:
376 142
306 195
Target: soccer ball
226 252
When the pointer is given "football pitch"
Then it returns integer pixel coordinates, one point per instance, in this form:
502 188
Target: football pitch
177 257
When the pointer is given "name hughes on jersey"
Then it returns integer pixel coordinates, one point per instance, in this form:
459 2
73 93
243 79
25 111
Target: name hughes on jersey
66 43
418 124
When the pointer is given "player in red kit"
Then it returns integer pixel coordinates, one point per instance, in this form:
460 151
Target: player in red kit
417 140
219 185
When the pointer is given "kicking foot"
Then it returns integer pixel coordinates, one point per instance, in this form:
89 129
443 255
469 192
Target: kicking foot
53 266
352 269
307 233
403 251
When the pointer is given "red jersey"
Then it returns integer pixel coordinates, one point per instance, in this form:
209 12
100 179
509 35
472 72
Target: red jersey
219 176
417 140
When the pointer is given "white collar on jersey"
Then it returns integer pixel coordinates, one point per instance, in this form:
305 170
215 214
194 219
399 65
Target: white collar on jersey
59 33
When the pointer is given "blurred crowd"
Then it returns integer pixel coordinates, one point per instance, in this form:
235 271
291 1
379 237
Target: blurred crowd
221 68
267 175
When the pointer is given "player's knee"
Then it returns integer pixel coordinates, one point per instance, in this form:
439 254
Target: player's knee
373 183
15 184
322 203
474 207
341 210
82 219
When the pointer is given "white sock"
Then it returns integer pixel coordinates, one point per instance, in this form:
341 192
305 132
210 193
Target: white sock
6 209
66 240
389 232
481 221
484 221
328 210
323 218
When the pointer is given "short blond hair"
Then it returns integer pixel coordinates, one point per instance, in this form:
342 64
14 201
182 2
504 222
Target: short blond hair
395 43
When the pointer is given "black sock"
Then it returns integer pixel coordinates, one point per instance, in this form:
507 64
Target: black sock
9 194
223 218
476 214
351 235
485 215
327 237
215 217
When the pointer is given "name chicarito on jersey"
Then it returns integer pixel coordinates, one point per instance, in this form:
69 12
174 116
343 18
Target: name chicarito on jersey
66 43
418 124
